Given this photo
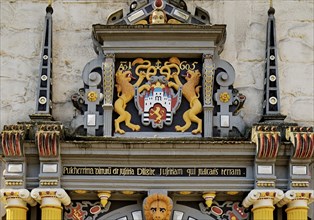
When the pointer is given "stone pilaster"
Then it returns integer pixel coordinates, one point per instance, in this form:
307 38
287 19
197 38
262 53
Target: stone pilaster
263 202
51 201
208 82
267 140
16 203
297 202
108 83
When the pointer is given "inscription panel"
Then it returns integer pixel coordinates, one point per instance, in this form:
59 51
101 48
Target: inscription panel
156 171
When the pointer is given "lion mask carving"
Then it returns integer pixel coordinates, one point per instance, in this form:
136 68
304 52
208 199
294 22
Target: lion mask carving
157 207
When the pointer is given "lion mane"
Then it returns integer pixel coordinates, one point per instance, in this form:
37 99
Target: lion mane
157 197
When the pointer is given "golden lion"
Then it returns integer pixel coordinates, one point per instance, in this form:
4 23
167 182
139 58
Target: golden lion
191 91
125 91
157 207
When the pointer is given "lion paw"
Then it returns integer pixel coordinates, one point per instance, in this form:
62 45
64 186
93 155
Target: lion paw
120 131
179 128
136 127
196 131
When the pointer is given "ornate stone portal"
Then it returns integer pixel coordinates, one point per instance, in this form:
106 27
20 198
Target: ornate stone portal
164 74
154 101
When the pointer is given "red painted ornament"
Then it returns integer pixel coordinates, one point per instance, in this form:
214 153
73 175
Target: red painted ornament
158 3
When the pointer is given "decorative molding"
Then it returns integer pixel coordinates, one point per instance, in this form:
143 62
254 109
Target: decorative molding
49 182
267 140
209 197
48 140
12 138
297 195
39 194
302 139
104 197
9 196
208 79
256 196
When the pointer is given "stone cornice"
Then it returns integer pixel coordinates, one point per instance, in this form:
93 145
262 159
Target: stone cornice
184 40
214 33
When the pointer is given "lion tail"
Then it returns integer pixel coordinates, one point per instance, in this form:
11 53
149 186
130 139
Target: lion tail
197 91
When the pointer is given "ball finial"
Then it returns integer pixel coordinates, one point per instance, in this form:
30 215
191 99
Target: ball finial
158 3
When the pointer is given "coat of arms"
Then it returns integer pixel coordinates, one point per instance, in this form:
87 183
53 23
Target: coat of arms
157 94
159 103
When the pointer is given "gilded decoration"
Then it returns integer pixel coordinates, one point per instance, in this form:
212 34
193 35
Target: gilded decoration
158 16
125 93
157 207
108 71
224 97
92 96
209 72
157 94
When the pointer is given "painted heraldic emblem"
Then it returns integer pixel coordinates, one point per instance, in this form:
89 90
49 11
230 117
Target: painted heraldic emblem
157 105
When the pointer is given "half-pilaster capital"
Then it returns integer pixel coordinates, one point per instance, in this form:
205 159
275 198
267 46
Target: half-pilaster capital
52 197
263 198
16 197
297 198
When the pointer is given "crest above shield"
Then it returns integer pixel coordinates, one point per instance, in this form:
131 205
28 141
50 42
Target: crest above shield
159 12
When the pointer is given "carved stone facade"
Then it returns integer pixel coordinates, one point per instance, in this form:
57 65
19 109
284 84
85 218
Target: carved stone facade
159 128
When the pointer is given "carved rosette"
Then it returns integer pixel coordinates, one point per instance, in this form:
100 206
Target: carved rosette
47 140
108 71
12 138
208 78
267 140
302 139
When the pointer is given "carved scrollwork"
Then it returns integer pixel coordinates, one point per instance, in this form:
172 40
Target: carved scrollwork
302 139
267 139
12 138
47 140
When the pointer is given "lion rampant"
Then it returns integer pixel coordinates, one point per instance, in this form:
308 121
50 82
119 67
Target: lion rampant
125 92
191 91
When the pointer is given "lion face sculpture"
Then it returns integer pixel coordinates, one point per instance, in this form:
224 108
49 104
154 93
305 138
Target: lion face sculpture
193 76
127 75
157 207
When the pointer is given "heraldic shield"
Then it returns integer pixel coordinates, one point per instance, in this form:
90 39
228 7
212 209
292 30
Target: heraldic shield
160 89
157 105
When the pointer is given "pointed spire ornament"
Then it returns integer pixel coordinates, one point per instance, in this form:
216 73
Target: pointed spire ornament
44 89
271 103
